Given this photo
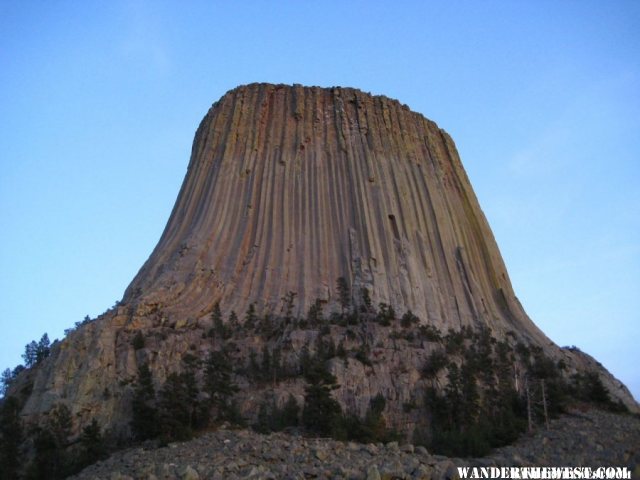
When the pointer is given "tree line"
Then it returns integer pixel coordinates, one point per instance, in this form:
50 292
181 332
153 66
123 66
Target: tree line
55 453
480 392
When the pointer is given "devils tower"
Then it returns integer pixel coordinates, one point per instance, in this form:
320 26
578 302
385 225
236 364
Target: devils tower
289 189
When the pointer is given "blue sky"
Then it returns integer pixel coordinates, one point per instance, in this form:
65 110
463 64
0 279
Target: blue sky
99 102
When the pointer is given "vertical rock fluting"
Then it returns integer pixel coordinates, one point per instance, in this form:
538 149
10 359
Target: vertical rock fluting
289 188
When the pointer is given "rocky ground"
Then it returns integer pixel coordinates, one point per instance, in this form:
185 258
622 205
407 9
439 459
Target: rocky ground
591 438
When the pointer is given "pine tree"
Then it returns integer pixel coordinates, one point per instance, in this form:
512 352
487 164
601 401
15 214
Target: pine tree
262 424
218 384
374 425
232 324
469 406
453 395
344 294
435 362
61 424
386 314
367 304
43 349
266 363
144 423
46 463
11 435
288 301
51 461
595 390
408 319
322 414
305 360
92 444
218 329
276 365
5 381
253 369
250 317
30 355
174 409
290 412
266 326
314 316
188 376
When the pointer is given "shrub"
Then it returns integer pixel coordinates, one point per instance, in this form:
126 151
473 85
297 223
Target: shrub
386 314
434 364
408 319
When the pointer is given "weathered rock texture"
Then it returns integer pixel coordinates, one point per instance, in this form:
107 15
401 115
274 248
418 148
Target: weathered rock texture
289 188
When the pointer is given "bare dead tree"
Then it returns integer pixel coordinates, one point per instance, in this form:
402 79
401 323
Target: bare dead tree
544 404
528 397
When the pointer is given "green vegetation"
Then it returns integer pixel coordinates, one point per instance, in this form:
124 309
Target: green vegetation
219 330
218 385
92 445
250 317
77 325
174 409
409 319
385 315
11 436
475 392
35 352
5 381
494 392
183 406
53 456
373 428
344 294
144 422
321 414
273 419
52 460
589 388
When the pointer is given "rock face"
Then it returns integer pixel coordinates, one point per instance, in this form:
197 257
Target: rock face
288 189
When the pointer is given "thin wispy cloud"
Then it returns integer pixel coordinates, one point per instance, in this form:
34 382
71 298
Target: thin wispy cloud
542 157
143 42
